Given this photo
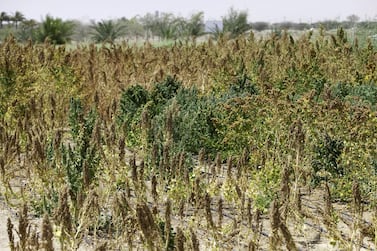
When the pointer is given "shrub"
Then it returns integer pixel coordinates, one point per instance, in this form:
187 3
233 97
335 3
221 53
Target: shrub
366 92
325 161
132 102
164 91
80 159
192 125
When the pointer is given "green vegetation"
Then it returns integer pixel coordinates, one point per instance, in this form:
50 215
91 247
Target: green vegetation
190 145
107 31
235 22
55 30
166 28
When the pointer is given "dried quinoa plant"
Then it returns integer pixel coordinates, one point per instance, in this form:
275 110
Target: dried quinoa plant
47 234
10 235
148 226
194 241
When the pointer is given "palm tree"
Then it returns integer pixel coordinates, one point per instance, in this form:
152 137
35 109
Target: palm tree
106 31
56 30
167 26
18 17
4 17
28 30
195 25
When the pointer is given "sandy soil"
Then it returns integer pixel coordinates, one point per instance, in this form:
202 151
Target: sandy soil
309 231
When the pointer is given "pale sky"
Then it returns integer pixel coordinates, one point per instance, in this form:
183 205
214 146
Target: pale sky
259 10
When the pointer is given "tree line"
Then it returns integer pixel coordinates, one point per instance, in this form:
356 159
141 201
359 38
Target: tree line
163 26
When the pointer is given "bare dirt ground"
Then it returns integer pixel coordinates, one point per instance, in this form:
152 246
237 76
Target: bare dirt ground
309 233
308 228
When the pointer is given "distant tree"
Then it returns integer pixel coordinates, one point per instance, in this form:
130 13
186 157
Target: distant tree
167 26
260 26
28 30
81 31
301 26
286 25
150 23
328 24
353 19
181 27
4 17
107 31
133 27
18 17
195 25
235 22
56 30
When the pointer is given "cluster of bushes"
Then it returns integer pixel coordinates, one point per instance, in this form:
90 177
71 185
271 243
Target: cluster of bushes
182 115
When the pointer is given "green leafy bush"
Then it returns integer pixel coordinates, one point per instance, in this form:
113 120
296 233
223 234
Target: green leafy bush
325 161
132 102
183 115
164 91
192 121
366 92
80 159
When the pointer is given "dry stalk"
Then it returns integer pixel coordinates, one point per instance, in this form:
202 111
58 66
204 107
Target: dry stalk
245 157
86 175
91 207
141 176
148 226
10 235
63 215
154 156
180 240
23 227
121 206
194 241
249 215
357 201
127 188
289 242
197 194
257 229
357 236
252 246
208 211
298 201
328 214
33 239
169 125
201 157
213 172
167 223
186 175
133 168
230 167
218 163
235 223
155 210
173 167
166 158
102 247
275 222
285 192
220 213
181 162
154 189
47 234
181 210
